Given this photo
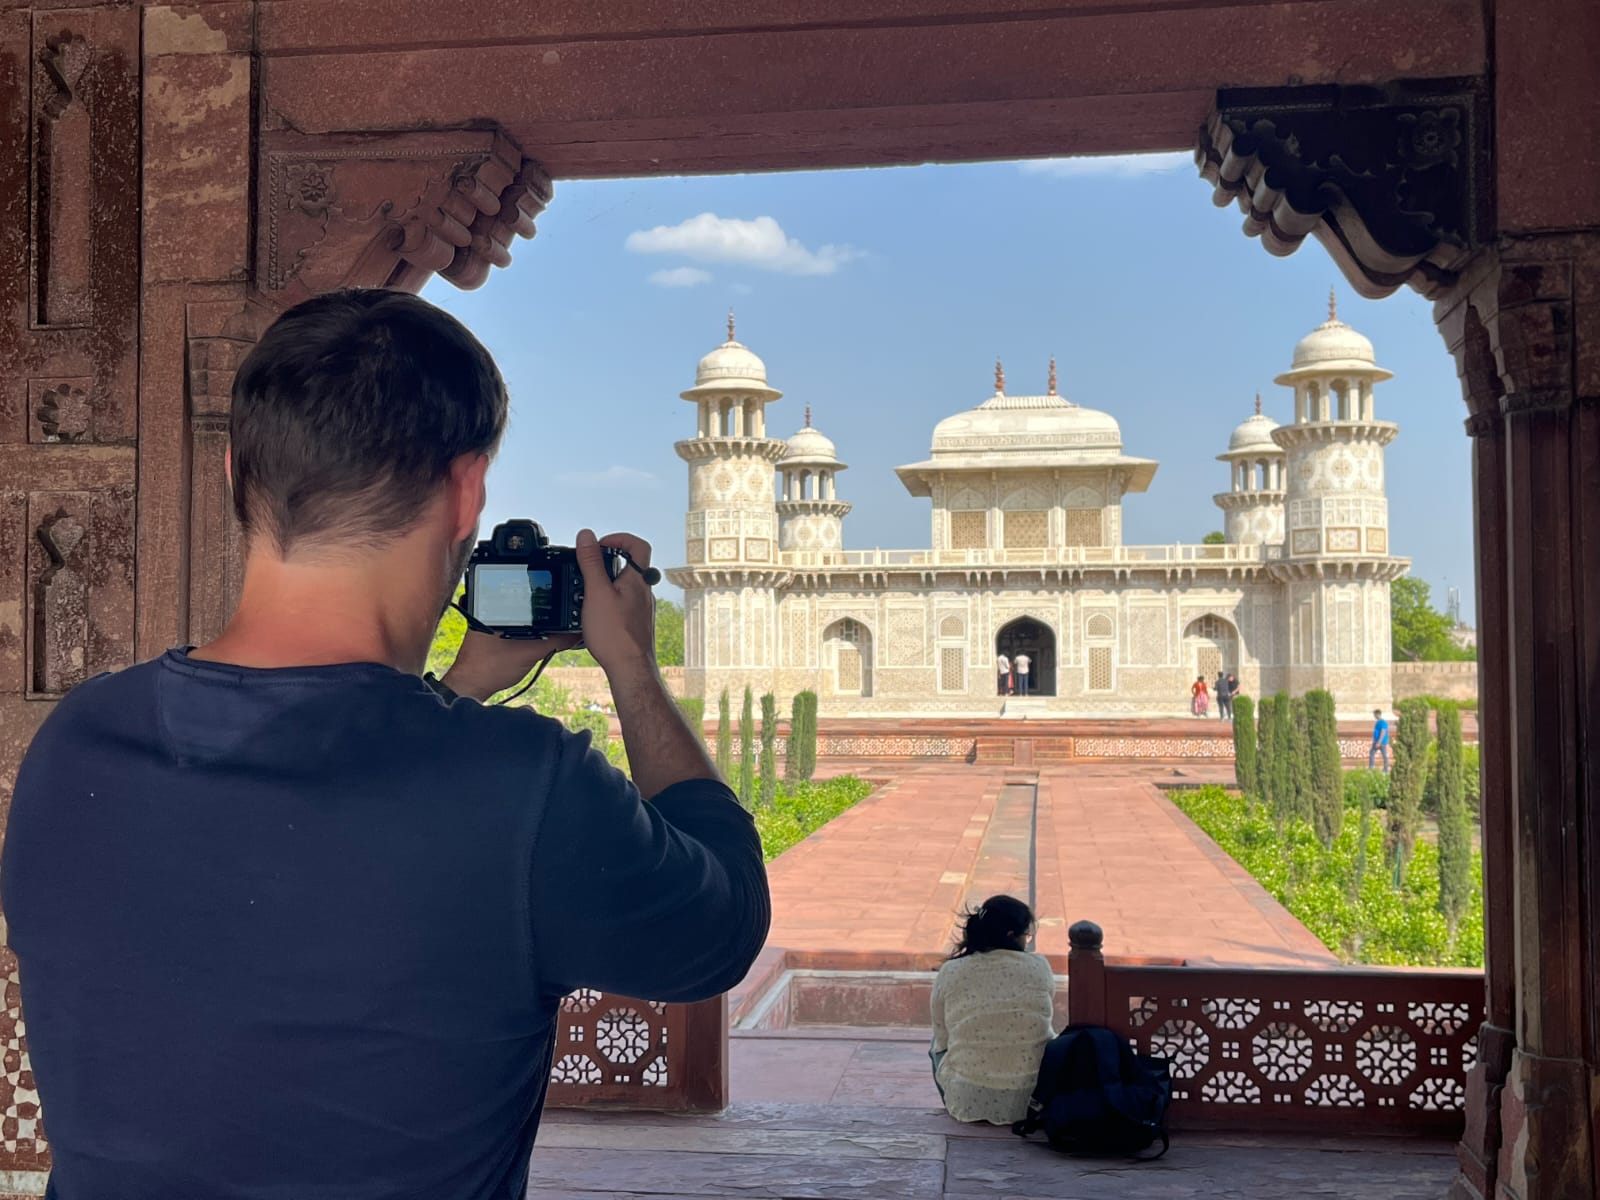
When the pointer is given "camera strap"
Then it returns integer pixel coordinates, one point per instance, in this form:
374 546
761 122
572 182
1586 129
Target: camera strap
478 626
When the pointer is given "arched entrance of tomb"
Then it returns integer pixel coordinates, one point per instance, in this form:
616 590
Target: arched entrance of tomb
1038 641
847 655
1210 644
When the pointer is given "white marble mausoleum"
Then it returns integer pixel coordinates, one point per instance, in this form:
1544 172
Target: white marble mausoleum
1027 555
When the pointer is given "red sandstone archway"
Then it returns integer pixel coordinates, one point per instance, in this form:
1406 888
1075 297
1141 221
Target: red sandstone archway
171 174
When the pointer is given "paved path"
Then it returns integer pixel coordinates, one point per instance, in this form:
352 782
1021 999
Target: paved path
887 877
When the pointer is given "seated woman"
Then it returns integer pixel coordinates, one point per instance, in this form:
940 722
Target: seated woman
993 1003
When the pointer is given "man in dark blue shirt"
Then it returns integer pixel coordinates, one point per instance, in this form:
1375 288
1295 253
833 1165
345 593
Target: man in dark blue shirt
293 923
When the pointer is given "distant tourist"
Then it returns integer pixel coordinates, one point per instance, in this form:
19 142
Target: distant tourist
993 1006
1380 740
1224 698
1022 663
1002 664
1199 697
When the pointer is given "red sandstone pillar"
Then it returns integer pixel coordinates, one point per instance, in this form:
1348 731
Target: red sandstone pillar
1478 1151
1536 298
1086 975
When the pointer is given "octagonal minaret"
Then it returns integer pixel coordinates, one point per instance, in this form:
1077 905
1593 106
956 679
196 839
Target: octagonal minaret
1335 563
810 513
1252 507
731 528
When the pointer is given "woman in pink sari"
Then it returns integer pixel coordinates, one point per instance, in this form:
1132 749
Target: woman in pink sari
1201 697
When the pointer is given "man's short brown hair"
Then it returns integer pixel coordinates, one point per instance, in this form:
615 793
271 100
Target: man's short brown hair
349 412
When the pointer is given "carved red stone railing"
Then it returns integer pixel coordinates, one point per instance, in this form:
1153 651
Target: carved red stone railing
614 1052
1349 1049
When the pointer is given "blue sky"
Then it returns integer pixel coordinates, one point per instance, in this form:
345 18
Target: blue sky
881 298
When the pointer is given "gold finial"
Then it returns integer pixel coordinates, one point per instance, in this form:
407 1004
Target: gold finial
730 324
1052 375
808 416
1333 306
999 378
1258 404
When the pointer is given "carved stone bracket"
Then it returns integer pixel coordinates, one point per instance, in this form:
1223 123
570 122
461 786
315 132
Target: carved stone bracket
391 211
1392 180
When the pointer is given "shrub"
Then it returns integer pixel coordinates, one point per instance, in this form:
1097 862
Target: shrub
1244 746
798 812
1326 766
747 751
1455 826
1369 786
596 723
724 737
1405 787
694 712
769 751
1362 918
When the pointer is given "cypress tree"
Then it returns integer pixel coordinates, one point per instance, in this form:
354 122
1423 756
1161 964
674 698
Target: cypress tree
1244 747
747 751
808 735
791 759
1265 723
724 737
1455 826
769 753
1283 760
1327 766
1300 740
1405 784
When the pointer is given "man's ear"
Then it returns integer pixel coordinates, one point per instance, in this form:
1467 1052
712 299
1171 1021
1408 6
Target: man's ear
468 493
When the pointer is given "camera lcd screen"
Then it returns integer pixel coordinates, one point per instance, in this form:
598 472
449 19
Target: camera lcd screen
509 594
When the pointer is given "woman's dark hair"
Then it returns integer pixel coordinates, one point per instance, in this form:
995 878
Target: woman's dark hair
349 412
999 923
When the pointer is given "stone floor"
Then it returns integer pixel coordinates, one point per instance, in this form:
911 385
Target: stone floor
884 1152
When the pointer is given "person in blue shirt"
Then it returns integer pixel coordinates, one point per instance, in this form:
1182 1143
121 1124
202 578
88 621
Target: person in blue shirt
1380 740
293 922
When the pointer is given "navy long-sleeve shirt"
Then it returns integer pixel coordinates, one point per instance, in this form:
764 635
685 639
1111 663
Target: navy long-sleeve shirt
301 934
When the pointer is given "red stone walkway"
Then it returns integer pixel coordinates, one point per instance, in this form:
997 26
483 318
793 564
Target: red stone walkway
885 879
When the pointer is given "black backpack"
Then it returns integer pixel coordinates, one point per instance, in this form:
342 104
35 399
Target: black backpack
1095 1096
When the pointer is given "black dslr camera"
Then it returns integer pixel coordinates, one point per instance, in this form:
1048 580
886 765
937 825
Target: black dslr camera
520 586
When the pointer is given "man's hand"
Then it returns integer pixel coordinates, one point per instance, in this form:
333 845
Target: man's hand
487 664
619 615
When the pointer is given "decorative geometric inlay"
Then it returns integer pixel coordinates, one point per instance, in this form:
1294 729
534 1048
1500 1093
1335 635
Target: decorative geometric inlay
1025 530
969 530
1282 1051
576 1068
1335 1091
622 1035
1085 527
1231 1087
1344 541
1185 1044
1231 1013
1099 669
1377 541
1386 1054
1438 1017
952 669
1333 1016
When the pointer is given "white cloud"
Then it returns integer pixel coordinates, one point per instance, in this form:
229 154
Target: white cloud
758 243
675 277
615 475
1119 166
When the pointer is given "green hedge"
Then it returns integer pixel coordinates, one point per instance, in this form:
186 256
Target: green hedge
1359 915
797 813
694 711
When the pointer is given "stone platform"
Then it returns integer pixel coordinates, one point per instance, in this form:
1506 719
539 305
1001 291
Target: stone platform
879 1150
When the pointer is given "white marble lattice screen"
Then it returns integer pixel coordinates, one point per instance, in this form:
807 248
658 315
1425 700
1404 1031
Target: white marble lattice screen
969 530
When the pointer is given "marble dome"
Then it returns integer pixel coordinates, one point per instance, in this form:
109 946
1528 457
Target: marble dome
1254 433
731 367
1333 346
809 447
